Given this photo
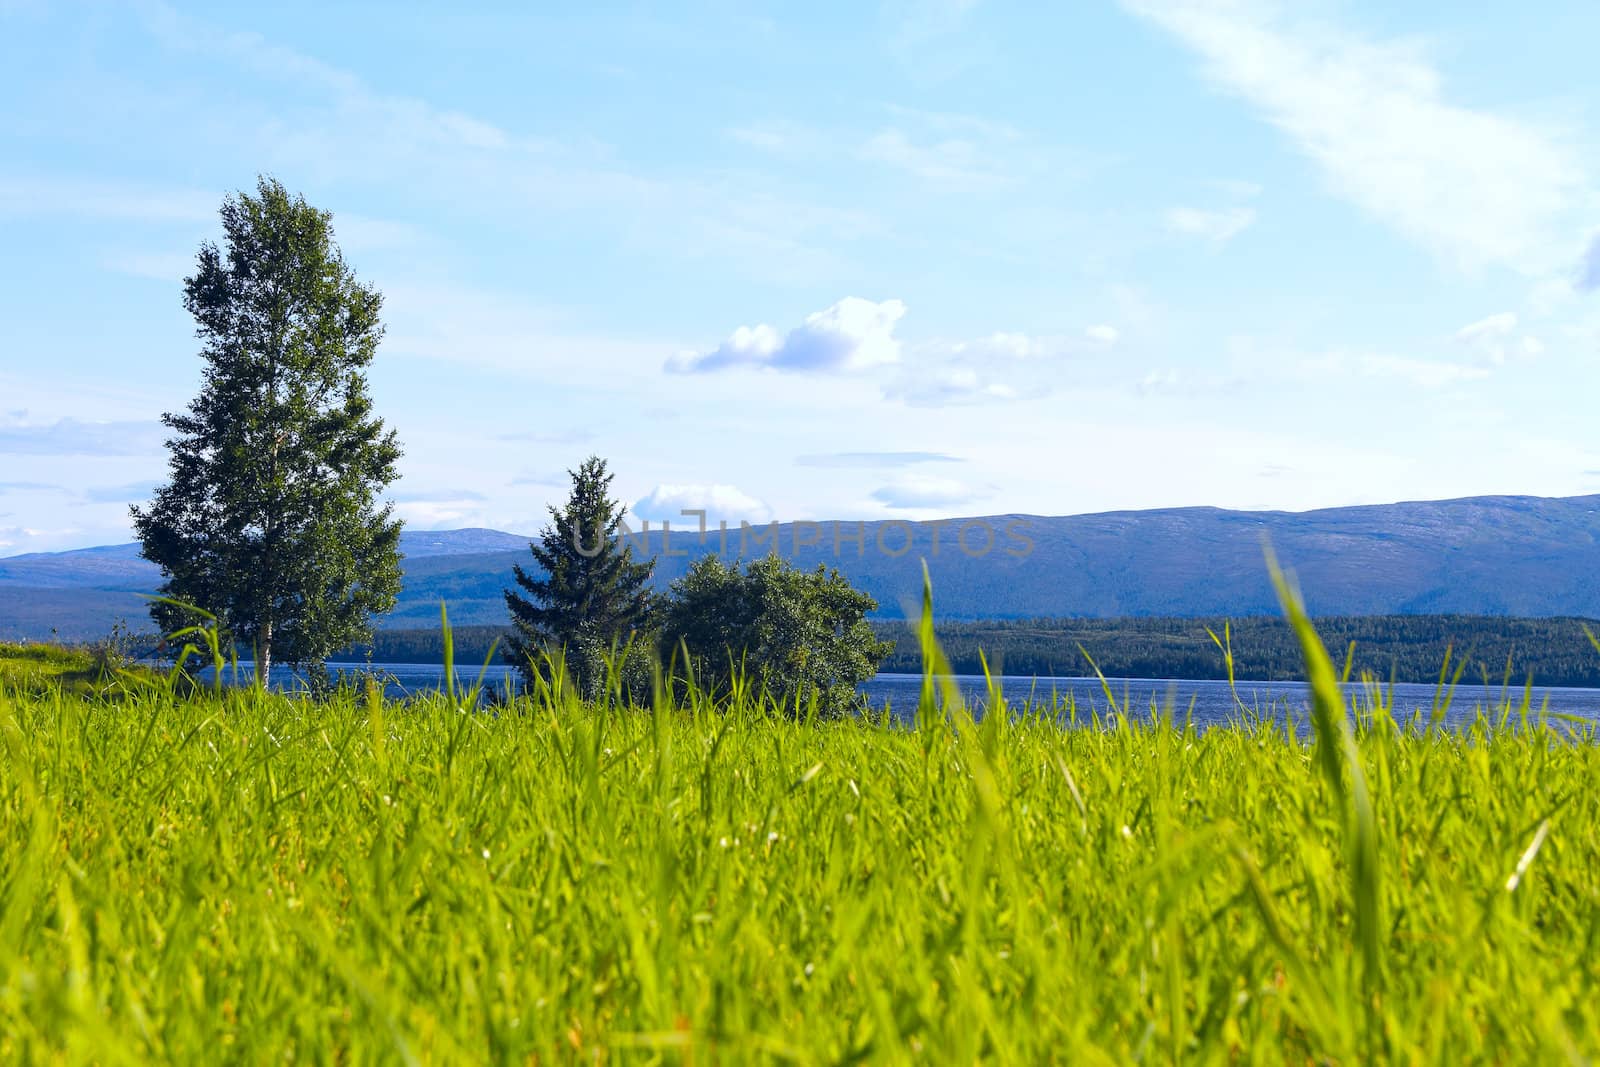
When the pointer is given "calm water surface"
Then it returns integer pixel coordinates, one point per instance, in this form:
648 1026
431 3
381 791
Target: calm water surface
1207 702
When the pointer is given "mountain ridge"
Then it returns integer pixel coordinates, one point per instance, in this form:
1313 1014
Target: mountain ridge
1488 555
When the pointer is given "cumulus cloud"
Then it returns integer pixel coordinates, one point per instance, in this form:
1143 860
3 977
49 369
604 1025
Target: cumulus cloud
1477 187
720 502
1495 340
1219 226
851 335
1102 334
916 493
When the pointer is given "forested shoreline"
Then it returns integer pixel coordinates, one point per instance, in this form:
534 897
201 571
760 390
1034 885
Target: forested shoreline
1406 648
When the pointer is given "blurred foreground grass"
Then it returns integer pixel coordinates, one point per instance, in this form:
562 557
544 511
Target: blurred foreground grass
247 877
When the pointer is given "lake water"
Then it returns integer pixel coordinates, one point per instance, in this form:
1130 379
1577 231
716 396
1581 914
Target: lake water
1208 702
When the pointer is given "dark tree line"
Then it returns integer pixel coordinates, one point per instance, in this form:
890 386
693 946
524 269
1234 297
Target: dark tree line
1407 648
1554 651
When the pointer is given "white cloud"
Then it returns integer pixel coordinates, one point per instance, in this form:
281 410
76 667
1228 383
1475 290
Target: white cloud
871 460
915 493
1005 345
720 503
781 138
460 325
435 496
74 437
155 266
1219 226
1494 326
1427 374
1165 380
932 39
951 161
1013 346
22 197
438 514
1476 187
17 540
1494 340
851 335
939 387
418 125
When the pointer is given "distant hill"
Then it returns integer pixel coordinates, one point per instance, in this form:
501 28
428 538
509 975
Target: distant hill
1504 555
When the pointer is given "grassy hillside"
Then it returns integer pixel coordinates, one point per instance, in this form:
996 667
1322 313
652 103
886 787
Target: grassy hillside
247 877
37 669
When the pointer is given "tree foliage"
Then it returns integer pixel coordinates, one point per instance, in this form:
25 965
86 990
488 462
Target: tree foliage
800 634
270 518
590 599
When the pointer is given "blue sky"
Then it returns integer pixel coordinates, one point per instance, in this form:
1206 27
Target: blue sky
834 260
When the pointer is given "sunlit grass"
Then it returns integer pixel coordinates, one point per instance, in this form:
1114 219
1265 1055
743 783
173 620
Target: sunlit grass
239 876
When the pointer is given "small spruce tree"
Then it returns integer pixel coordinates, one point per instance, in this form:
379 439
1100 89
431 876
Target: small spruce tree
592 596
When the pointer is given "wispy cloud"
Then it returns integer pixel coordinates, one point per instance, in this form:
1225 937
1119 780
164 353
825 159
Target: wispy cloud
782 137
550 437
346 129
1219 226
873 460
155 266
131 493
917 493
1477 187
550 478
932 40
1427 374
949 387
375 115
436 496
954 162
44 197
71 437
1588 275
1495 340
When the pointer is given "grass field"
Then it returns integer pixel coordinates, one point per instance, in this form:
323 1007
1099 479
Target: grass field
241 877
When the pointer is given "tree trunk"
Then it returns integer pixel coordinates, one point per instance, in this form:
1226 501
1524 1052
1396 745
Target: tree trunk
264 655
